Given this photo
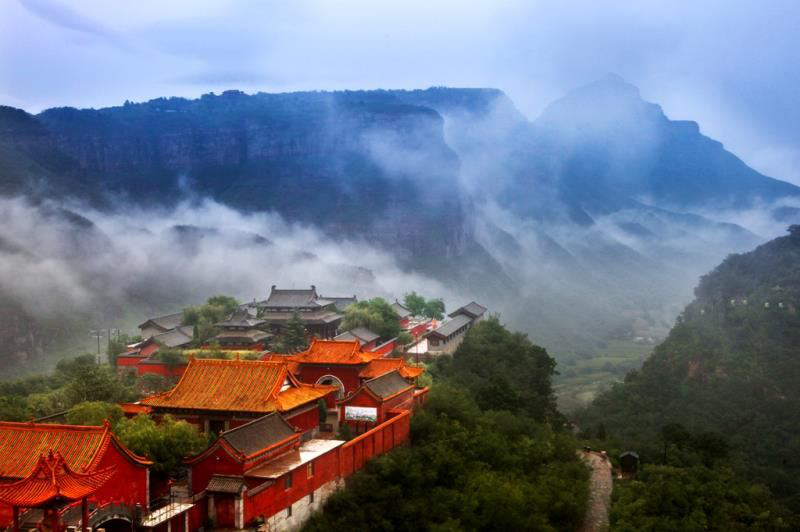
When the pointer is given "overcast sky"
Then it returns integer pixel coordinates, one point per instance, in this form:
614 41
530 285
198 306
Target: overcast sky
730 65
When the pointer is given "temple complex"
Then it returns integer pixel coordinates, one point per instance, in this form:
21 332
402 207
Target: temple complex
218 395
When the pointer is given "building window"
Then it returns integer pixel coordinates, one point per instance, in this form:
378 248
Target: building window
287 482
311 498
310 469
289 511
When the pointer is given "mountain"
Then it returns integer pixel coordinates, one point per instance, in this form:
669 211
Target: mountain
731 364
573 226
610 149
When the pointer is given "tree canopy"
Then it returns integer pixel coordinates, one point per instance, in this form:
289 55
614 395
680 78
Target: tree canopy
477 461
376 315
204 317
166 443
419 306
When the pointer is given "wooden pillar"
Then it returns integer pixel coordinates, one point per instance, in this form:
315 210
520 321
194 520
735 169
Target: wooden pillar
55 526
16 518
84 515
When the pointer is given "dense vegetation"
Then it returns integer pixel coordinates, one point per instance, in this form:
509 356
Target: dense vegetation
203 318
376 315
486 452
73 381
419 306
729 370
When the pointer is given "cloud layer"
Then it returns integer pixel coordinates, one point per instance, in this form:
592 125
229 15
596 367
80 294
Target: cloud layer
728 65
138 261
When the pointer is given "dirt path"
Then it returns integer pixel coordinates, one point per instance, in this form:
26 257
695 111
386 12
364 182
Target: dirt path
600 485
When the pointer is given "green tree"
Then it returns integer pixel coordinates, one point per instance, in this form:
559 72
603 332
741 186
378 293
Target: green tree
434 309
204 317
166 443
170 356
376 315
294 336
419 306
94 413
415 303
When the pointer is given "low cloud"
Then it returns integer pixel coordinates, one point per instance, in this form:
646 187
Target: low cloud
140 261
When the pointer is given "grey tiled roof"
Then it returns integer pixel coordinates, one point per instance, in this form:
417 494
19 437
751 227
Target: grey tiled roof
359 333
258 434
472 309
452 325
401 310
292 298
341 302
388 384
241 318
167 322
176 337
225 484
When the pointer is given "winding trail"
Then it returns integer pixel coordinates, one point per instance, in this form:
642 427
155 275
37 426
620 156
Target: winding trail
600 486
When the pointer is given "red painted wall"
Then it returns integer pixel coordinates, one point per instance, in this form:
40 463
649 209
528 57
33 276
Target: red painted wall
218 462
306 419
348 374
355 453
160 369
385 348
275 498
362 398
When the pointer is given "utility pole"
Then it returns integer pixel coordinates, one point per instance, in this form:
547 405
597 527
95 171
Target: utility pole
97 334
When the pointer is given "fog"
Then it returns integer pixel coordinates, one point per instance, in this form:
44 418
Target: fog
138 261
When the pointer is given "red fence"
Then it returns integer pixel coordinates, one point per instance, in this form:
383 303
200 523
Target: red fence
355 453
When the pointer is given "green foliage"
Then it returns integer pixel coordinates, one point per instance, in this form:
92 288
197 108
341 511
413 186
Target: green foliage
94 413
419 306
721 390
150 383
404 337
203 317
166 443
665 498
293 339
476 462
73 381
376 315
169 356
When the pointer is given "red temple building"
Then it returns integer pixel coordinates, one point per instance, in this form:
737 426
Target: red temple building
51 487
376 401
218 395
83 462
263 470
343 364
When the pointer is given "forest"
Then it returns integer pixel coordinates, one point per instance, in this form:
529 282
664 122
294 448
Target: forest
714 409
489 451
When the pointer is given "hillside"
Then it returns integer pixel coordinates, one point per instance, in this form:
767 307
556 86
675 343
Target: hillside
730 365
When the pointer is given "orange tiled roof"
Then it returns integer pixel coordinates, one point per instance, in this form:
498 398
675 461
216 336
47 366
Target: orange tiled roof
134 408
21 445
237 386
52 477
382 366
334 352
293 365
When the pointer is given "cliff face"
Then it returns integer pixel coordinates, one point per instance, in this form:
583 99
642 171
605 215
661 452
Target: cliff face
361 164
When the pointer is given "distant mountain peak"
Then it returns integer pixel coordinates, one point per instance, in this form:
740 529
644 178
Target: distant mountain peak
609 102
